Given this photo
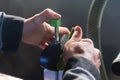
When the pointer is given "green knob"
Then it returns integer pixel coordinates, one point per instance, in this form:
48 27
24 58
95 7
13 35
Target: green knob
55 22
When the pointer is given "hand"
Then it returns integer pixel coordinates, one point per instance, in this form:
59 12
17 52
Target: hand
38 32
77 46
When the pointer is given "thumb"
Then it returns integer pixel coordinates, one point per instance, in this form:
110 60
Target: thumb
46 15
77 35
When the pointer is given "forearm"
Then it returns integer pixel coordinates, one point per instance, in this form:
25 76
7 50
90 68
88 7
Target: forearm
80 68
11 32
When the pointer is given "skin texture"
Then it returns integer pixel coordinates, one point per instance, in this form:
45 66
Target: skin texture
38 32
77 46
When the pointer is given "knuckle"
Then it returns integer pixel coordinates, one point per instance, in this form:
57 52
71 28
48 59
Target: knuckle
98 52
48 10
88 41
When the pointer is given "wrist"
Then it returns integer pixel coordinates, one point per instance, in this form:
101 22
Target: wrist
27 29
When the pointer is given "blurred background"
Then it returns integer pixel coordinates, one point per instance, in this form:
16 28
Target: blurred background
25 63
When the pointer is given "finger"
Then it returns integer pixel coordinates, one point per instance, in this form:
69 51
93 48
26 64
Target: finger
50 40
98 53
77 35
98 64
98 56
43 45
64 30
51 30
88 41
46 15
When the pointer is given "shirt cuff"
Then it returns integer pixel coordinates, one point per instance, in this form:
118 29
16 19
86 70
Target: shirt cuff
75 62
12 29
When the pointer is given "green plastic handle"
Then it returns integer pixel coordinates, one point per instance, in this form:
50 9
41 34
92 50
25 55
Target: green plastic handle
55 22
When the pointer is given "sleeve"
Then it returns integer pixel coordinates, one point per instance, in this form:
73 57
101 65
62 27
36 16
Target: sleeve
79 68
11 28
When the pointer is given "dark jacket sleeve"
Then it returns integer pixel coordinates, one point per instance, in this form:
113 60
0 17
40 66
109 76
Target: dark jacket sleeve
11 28
79 68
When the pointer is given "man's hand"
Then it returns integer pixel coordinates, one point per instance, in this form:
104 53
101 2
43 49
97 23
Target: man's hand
38 32
77 46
